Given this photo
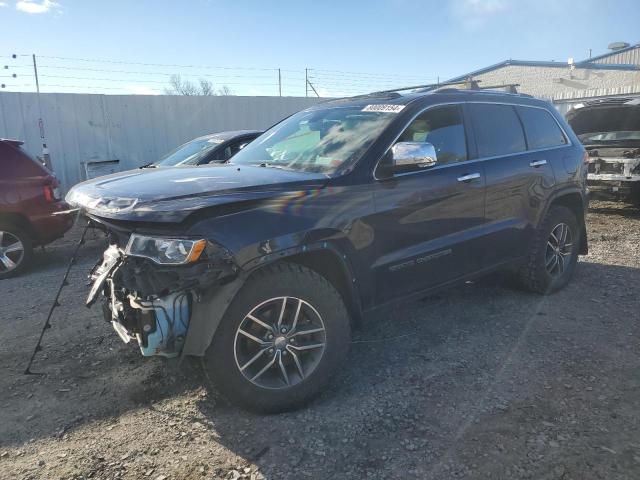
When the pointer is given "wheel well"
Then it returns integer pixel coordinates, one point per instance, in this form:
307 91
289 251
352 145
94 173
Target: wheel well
573 201
328 264
19 221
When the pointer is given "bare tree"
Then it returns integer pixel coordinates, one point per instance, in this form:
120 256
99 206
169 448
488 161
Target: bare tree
206 87
224 90
181 87
178 86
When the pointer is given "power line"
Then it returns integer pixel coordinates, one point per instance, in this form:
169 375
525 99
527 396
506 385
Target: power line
145 81
102 70
329 80
344 73
122 62
364 84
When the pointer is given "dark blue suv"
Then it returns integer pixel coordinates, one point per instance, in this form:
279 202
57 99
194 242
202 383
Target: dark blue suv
262 264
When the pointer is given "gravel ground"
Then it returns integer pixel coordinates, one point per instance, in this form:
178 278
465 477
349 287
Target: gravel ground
479 381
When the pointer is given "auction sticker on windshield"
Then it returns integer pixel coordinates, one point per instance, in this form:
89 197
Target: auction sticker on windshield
384 108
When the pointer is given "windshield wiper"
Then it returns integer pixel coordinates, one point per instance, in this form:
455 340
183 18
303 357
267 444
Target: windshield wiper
271 165
149 165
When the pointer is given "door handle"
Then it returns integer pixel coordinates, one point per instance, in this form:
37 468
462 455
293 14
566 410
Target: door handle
468 177
537 163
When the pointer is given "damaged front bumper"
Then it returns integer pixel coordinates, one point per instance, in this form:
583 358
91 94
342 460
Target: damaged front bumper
153 304
614 176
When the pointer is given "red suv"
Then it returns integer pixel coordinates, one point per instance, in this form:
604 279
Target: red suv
31 208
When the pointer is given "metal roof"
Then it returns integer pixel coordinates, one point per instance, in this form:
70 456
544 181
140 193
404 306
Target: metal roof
533 63
629 55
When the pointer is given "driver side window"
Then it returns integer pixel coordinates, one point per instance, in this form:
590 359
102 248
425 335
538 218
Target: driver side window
443 127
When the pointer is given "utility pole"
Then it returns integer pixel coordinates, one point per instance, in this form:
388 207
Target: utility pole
279 82
306 82
45 150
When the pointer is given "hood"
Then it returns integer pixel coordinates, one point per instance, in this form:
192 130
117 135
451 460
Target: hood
171 194
605 117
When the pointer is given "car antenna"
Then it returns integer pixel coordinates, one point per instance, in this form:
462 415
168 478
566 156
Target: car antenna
56 303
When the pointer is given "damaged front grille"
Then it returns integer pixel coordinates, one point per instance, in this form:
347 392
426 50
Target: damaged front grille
149 302
600 166
614 163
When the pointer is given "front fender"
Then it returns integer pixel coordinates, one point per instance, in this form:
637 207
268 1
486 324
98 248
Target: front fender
208 312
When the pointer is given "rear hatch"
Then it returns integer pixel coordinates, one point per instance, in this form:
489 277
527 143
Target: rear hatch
20 170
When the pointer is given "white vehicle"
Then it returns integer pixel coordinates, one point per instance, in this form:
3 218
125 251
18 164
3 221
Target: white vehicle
609 128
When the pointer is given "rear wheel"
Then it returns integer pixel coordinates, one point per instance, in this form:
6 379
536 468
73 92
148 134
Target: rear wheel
282 337
15 250
553 252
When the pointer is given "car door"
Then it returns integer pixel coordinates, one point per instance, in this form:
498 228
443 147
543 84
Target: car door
518 180
428 222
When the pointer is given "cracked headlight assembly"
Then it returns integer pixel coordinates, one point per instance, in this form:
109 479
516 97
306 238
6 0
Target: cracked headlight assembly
165 251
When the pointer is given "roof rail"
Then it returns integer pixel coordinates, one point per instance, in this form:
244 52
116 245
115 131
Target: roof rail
11 141
467 84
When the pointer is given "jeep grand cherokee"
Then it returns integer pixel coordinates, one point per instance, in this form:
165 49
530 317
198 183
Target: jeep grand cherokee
262 264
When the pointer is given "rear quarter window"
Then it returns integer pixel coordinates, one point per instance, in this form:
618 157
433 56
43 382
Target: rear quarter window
498 130
541 129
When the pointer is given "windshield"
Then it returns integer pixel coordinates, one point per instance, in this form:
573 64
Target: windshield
318 141
188 154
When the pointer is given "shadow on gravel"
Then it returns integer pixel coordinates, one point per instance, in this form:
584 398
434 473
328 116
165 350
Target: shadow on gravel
427 373
619 209
418 376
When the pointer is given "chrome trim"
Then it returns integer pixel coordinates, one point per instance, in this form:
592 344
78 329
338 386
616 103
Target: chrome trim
537 163
473 160
466 178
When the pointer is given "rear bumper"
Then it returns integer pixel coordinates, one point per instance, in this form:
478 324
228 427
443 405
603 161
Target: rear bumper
53 224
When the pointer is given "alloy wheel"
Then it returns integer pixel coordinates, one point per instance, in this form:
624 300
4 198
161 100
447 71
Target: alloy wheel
559 250
280 342
11 251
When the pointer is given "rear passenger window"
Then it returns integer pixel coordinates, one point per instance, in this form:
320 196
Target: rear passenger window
442 127
498 130
541 128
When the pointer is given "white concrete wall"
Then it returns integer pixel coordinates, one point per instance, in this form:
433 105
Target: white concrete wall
134 129
555 82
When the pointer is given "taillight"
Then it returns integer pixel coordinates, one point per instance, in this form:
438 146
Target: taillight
51 192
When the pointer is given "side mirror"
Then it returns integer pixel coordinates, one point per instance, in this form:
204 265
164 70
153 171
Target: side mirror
409 156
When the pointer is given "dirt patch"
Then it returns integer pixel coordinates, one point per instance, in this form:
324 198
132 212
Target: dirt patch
479 381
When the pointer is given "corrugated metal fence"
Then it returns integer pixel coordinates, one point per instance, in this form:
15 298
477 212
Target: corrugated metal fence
133 129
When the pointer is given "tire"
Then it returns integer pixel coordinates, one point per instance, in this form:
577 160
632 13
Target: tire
541 273
13 261
635 196
234 362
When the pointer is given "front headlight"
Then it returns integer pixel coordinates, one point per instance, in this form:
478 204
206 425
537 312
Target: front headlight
165 251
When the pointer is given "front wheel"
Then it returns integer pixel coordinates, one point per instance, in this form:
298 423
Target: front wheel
281 339
553 252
